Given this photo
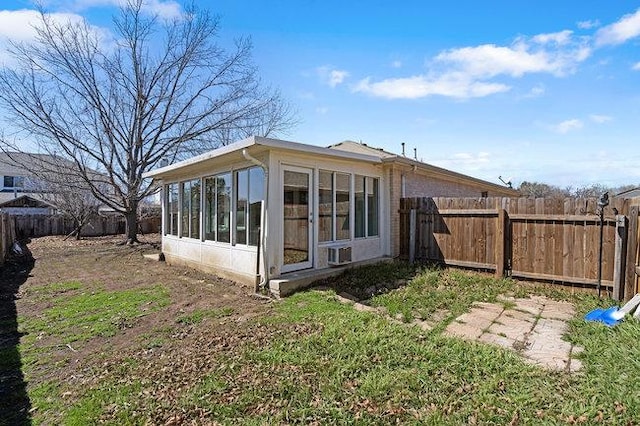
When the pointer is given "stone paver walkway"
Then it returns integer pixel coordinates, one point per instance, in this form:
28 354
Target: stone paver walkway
532 327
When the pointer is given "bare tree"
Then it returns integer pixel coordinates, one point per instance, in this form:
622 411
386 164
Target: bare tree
54 180
539 189
158 90
78 205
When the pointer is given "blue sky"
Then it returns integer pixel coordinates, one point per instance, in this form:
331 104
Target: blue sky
543 91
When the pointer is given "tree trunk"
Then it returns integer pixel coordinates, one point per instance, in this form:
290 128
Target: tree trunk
79 230
131 219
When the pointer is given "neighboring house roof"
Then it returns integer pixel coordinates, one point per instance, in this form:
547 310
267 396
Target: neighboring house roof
24 200
388 157
19 163
630 193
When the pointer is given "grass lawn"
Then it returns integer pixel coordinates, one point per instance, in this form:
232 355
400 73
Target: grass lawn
312 360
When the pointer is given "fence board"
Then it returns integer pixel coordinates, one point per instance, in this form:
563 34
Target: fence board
41 225
546 239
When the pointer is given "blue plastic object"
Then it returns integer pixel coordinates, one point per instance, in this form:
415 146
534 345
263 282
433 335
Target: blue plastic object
605 316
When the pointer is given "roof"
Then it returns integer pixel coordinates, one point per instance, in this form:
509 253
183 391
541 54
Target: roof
388 157
256 141
362 148
23 200
21 163
15 163
348 150
629 193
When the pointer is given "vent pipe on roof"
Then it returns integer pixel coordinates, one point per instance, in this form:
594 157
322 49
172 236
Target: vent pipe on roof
415 154
403 149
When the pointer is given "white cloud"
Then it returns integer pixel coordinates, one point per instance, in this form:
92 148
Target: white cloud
562 37
487 61
470 72
19 26
600 119
450 85
536 91
332 76
322 110
337 77
588 25
624 29
636 66
396 64
568 125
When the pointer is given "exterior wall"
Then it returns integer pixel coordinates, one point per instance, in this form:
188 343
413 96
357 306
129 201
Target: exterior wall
395 194
362 248
21 211
422 185
229 260
417 185
238 262
233 262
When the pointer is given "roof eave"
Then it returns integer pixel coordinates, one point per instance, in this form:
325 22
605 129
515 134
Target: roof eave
265 142
449 173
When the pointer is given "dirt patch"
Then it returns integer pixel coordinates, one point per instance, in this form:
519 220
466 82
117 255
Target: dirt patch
206 316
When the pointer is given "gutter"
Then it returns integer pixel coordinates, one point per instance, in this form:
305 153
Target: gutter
262 246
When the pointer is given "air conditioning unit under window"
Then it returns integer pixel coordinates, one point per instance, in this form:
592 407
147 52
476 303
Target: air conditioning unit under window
339 255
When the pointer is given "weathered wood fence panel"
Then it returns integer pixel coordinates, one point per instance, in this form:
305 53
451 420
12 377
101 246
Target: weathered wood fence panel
7 235
41 225
540 239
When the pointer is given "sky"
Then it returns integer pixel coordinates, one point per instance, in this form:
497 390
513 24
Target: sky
543 91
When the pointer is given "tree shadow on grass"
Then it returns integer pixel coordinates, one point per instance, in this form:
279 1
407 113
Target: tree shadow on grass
15 405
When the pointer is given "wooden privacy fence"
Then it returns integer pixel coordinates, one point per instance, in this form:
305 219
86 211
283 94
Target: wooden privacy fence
43 225
550 240
7 235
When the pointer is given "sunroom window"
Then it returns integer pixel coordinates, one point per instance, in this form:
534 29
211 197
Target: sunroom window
217 207
335 198
191 208
366 206
172 206
249 197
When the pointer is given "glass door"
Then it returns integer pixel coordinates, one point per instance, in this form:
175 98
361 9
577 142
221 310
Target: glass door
297 217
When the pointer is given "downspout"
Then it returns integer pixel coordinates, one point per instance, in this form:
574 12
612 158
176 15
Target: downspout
263 226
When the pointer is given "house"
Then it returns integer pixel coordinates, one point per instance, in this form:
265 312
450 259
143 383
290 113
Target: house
17 193
25 204
25 189
285 213
632 194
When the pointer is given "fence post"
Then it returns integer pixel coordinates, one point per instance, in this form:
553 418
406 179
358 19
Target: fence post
632 247
3 237
619 257
412 235
500 243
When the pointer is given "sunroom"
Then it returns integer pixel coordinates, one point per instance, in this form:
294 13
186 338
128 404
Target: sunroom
273 213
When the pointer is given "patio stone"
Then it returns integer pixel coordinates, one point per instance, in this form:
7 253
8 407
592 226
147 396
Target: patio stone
558 310
495 339
532 306
533 328
512 328
520 315
466 331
